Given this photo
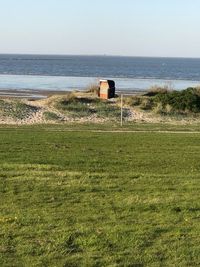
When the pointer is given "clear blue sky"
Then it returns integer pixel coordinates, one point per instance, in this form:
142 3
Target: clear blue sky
112 27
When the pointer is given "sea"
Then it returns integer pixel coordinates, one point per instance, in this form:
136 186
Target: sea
66 73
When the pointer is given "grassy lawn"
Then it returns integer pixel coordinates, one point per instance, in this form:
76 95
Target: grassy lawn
99 199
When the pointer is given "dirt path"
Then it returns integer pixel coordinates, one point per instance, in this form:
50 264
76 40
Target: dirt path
123 131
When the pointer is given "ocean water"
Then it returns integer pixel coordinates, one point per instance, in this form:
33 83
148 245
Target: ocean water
43 72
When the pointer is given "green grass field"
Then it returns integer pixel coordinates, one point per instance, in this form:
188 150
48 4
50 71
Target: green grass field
99 199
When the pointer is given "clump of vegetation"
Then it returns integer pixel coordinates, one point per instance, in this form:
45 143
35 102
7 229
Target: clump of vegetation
146 103
179 101
83 106
93 88
50 116
16 109
106 109
142 101
161 100
75 106
132 100
154 90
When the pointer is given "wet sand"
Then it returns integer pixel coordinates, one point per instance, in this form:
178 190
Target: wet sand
35 94
41 94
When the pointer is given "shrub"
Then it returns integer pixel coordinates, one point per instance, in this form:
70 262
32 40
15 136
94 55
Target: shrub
154 90
132 100
168 109
146 103
183 101
197 90
158 109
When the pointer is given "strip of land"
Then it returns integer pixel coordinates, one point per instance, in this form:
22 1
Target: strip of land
156 106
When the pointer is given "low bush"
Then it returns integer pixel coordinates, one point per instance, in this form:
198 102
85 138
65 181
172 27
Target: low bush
131 100
182 101
146 103
154 90
158 108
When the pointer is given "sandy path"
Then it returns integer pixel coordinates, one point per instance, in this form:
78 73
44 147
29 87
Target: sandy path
109 131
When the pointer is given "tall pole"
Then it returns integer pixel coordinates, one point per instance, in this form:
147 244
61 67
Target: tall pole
121 110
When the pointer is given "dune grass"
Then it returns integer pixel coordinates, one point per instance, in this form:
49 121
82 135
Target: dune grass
51 116
98 199
74 106
16 109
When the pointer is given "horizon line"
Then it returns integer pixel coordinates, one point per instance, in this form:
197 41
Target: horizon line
98 55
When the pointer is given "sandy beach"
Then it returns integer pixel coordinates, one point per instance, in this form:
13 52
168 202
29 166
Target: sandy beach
41 94
35 94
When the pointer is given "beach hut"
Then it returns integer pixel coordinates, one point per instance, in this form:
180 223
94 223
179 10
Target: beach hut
107 89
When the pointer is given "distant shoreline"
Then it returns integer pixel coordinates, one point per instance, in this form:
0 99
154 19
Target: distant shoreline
97 55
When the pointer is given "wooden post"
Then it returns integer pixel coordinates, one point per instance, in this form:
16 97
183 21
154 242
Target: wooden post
121 110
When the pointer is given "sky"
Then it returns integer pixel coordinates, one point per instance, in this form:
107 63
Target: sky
162 28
